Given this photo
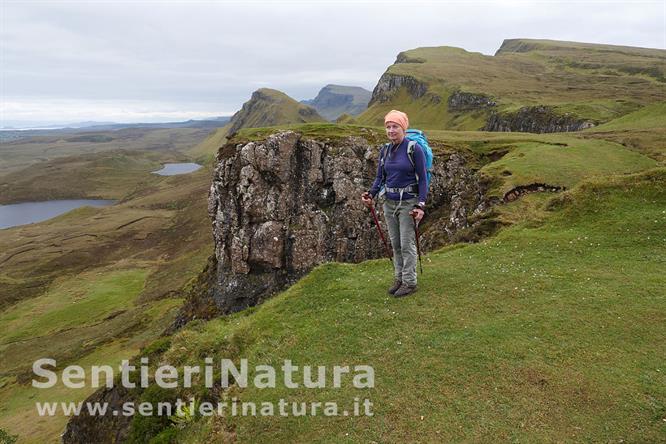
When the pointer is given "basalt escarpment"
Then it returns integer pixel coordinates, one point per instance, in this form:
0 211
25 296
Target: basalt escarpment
466 101
285 204
536 119
389 84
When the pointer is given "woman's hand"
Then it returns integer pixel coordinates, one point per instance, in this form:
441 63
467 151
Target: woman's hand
417 214
367 199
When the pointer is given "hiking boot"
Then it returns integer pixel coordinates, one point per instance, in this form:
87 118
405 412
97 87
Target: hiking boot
404 290
395 287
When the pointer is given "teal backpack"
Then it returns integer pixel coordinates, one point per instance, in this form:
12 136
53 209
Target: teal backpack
418 136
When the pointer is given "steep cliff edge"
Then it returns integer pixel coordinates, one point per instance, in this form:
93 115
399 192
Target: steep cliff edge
282 205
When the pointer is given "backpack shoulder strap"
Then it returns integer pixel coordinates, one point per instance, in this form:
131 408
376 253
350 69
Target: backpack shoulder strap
382 159
383 151
410 150
410 155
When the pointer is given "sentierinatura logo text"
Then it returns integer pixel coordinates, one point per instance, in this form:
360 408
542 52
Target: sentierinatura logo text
168 376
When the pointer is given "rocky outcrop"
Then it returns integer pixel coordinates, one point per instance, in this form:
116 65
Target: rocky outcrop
516 192
460 198
84 428
465 101
280 207
283 205
536 119
389 84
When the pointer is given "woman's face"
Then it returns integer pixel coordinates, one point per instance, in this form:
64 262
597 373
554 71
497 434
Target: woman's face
394 132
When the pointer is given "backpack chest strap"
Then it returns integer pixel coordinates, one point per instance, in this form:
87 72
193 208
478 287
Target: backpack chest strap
412 189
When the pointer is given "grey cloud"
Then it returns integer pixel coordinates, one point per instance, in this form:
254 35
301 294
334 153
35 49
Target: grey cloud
214 54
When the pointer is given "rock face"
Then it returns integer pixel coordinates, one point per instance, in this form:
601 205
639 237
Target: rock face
465 101
389 84
536 119
281 206
84 429
336 100
516 192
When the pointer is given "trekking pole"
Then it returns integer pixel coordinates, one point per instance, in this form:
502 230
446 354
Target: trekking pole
381 233
418 244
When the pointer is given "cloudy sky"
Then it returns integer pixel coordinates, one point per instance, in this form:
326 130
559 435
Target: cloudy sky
139 61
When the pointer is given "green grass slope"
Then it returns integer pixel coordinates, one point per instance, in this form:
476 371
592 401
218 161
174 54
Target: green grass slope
564 163
650 117
595 82
205 151
95 317
643 131
547 332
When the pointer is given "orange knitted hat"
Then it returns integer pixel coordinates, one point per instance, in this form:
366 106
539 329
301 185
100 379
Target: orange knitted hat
398 117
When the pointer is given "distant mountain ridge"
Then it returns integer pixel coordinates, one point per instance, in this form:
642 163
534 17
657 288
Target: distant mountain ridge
270 107
527 45
336 100
9 134
98 126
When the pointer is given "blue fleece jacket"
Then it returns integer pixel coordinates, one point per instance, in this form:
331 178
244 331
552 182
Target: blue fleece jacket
400 172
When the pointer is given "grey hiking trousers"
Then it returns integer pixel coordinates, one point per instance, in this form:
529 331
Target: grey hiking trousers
403 239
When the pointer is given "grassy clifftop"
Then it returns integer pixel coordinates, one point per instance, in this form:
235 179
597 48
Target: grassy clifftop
595 82
545 45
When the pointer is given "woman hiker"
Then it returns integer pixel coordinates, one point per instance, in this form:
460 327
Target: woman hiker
405 200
